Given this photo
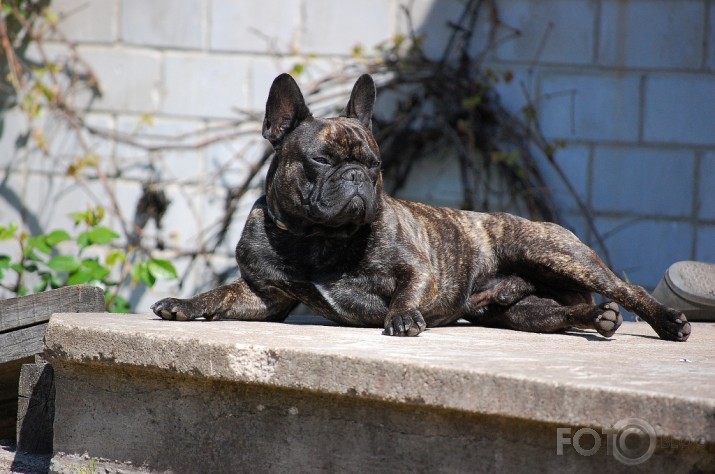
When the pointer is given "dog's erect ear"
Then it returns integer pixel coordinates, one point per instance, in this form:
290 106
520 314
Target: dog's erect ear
362 101
285 109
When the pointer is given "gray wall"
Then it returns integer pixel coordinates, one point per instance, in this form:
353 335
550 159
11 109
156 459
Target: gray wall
628 85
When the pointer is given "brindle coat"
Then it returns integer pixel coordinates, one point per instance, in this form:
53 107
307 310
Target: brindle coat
326 235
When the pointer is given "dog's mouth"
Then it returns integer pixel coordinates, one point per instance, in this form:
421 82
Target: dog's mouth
346 197
356 209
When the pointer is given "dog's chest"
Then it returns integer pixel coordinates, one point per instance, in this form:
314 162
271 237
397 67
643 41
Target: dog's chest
344 298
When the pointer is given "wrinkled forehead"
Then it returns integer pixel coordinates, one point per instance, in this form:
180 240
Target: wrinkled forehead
337 136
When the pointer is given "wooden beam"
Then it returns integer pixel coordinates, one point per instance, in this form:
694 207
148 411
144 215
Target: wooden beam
22 343
9 375
33 309
36 408
22 329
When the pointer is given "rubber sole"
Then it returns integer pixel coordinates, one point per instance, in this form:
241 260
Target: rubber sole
689 287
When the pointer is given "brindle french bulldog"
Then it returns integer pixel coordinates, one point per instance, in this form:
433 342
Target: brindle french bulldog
325 234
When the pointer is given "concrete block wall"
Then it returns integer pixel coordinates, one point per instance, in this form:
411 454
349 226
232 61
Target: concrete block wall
629 86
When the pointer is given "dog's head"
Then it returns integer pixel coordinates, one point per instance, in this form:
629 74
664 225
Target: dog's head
325 176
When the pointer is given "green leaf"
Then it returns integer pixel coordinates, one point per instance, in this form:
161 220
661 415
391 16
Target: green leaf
83 240
64 263
90 264
100 273
79 277
96 216
8 232
102 235
162 269
297 70
141 273
92 217
96 270
4 265
79 217
147 278
57 236
114 256
40 287
56 282
38 242
31 255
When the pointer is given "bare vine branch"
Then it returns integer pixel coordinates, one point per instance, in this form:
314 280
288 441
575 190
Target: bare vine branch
446 105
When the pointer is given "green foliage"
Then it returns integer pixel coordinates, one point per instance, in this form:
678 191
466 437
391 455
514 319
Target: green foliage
151 270
49 265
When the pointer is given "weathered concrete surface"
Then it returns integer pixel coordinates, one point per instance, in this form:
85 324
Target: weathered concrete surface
272 397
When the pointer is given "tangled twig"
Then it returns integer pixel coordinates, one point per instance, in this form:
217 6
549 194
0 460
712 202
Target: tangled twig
445 106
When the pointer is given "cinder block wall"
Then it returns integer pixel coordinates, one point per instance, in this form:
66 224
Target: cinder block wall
628 85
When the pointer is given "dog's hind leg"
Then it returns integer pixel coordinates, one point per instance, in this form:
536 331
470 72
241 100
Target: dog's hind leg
503 290
553 257
578 267
537 314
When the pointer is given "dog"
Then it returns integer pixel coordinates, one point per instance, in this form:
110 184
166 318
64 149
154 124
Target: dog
325 234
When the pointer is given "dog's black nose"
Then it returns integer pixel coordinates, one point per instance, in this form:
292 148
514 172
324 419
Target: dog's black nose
354 174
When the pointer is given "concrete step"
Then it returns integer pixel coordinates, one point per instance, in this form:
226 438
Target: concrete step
235 396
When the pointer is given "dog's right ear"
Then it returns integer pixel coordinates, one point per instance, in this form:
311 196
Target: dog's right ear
285 109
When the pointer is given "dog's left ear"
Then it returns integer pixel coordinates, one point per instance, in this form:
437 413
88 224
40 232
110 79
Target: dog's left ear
285 109
362 101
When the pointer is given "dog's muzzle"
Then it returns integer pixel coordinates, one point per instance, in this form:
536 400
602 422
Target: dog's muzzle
346 196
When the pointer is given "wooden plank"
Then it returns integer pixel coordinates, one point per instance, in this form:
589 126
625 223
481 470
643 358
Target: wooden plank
37 308
9 376
36 408
22 343
8 418
22 329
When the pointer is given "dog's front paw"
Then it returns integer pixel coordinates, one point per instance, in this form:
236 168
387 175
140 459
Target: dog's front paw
673 326
607 319
409 323
175 308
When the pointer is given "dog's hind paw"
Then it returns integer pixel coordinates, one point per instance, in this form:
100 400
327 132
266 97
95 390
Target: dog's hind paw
607 319
409 323
673 327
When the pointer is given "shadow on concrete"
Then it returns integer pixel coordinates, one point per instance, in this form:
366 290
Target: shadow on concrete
17 462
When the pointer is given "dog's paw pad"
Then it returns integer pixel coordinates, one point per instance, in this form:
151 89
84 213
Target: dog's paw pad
607 319
674 327
410 323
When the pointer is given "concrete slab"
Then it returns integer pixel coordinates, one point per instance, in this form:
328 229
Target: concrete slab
572 379
12 461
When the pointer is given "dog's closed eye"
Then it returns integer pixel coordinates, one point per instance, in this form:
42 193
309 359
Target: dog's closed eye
320 159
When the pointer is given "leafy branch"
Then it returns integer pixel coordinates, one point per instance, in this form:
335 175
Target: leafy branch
446 106
58 259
